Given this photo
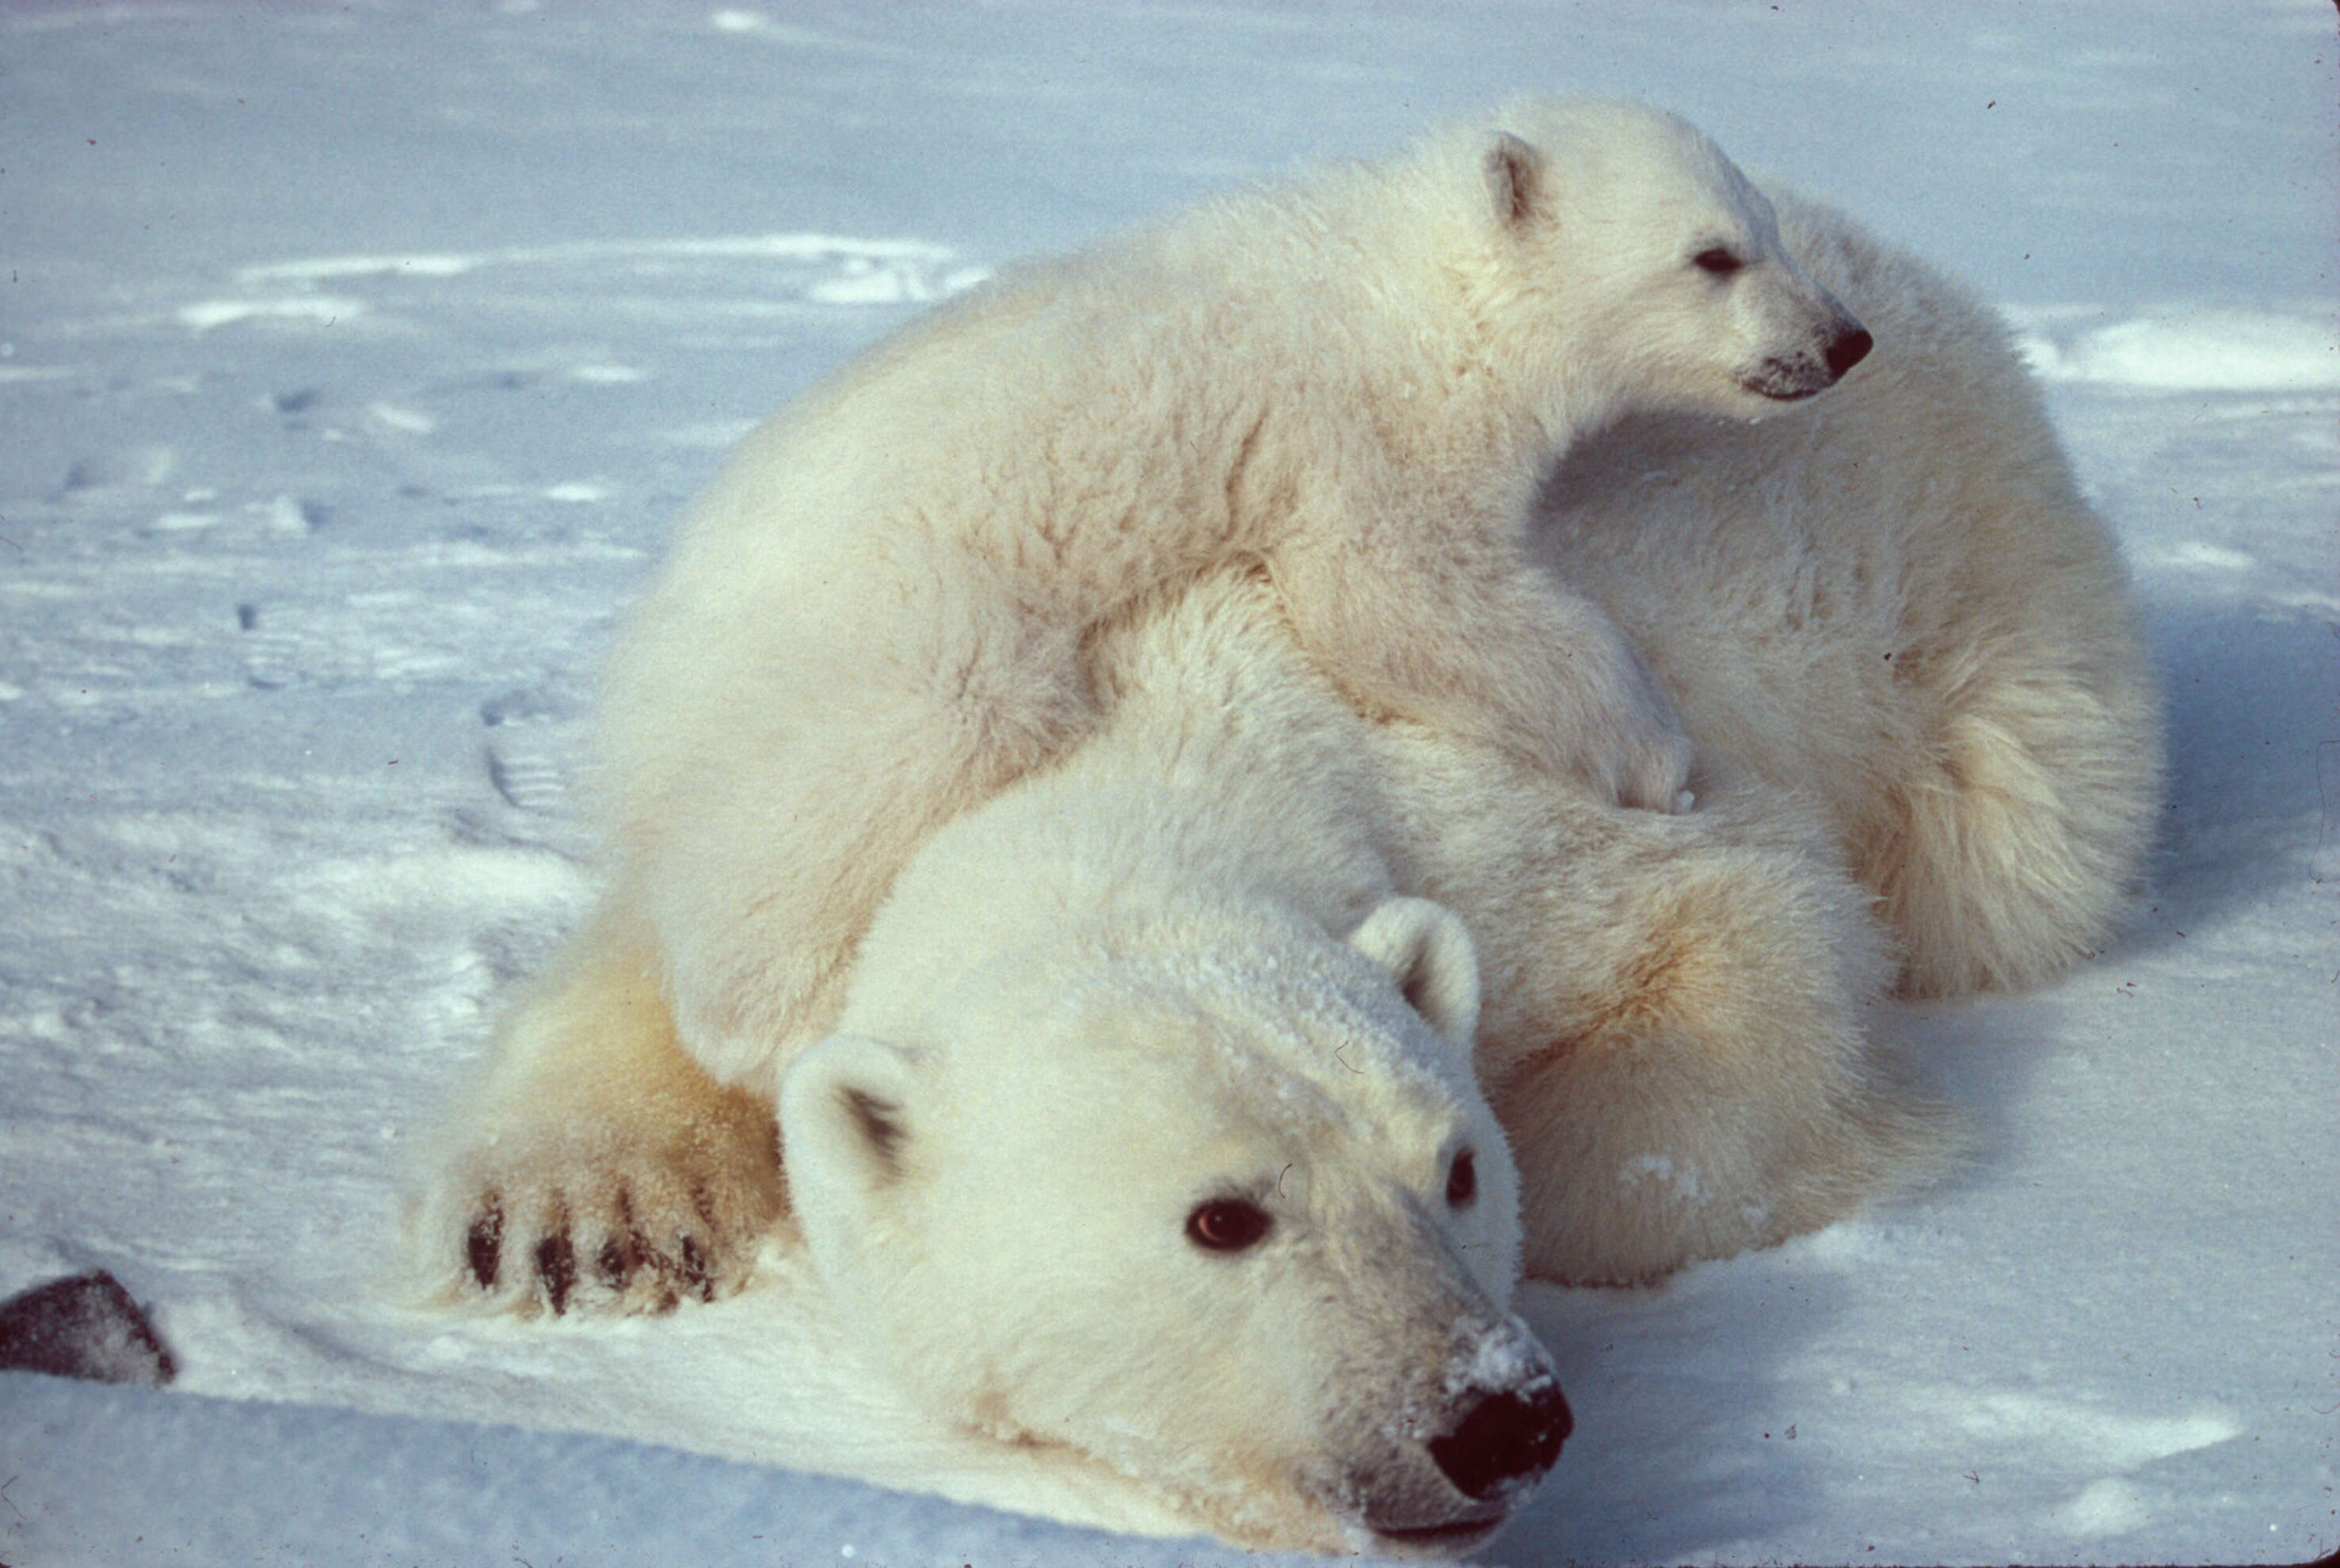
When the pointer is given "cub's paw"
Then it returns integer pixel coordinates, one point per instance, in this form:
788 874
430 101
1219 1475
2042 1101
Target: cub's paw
1596 713
1649 770
608 1220
1631 750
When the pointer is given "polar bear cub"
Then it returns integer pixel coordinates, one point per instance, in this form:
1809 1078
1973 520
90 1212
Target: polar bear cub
881 611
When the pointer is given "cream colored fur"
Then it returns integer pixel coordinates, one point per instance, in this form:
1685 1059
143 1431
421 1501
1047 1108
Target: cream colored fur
1171 968
1928 756
1180 961
882 613
592 1159
1907 614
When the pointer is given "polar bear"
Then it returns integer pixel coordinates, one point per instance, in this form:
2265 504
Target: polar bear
1249 913
1150 1128
1153 1129
881 611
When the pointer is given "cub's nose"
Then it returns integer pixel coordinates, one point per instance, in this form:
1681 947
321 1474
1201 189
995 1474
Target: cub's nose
1504 1439
1847 350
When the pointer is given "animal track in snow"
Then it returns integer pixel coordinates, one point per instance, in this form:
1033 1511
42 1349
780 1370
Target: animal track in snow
285 647
527 779
527 754
129 469
393 636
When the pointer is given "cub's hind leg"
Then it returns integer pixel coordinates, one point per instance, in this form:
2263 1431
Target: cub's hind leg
2009 846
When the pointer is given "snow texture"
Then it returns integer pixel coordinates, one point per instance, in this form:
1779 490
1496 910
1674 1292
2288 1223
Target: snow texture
354 360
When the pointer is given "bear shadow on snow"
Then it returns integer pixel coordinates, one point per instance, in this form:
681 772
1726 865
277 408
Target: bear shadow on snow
1151 891
2253 716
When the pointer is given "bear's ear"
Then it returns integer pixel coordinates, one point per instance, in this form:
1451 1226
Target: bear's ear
1515 187
845 1122
1429 955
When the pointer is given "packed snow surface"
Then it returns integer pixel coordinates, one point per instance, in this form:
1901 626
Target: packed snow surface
354 360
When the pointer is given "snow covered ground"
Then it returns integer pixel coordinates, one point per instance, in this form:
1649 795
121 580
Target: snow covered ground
354 359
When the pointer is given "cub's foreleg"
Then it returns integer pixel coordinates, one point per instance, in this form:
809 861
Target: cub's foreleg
1488 647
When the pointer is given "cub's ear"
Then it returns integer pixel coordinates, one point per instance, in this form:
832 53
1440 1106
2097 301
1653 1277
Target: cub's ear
1429 953
1515 183
847 1127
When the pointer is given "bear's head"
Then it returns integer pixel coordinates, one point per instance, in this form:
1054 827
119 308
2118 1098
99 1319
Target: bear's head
1620 261
1219 1208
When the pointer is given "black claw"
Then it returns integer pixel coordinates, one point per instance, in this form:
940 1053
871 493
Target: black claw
616 1264
696 1277
556 1268
483 1245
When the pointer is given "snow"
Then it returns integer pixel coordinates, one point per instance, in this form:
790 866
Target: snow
354 359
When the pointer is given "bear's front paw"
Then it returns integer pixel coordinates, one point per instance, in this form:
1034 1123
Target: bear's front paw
607 1225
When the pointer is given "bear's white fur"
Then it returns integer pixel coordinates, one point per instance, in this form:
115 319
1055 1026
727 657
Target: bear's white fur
1915 620
1181 953
880 613
1168 972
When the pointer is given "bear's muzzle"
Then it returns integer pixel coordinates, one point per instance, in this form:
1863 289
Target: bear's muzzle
1496 1443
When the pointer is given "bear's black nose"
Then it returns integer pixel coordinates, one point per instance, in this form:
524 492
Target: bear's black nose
1503 1439
1849 349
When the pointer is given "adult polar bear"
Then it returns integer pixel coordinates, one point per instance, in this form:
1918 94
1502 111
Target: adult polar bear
1902 645
879 614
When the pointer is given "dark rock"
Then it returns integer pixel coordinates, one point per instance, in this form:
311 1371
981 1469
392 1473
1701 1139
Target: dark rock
84 1326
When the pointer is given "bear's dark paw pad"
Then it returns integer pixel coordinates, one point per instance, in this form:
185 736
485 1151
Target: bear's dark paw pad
556 1270
483 1245
84 1326
694 1274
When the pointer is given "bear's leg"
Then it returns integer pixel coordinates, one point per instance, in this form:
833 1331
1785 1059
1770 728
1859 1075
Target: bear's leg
1491 648
2010 842
1675 1038
1708 1088
596 1166
1712 1091
762 864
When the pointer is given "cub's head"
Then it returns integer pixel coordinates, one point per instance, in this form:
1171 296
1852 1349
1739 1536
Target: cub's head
1619 263
1223 1211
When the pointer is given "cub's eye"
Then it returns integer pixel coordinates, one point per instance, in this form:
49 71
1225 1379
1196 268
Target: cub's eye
1226 1224
1463 1179
1717 261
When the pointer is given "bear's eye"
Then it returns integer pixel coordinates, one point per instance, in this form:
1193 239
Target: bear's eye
1717 261
1226 1224
1463 1179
